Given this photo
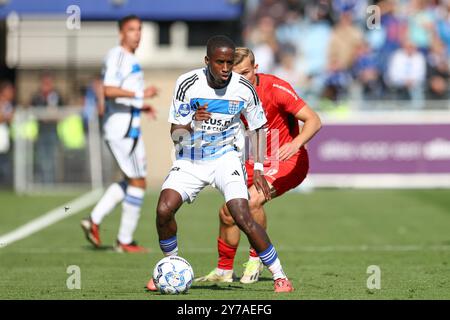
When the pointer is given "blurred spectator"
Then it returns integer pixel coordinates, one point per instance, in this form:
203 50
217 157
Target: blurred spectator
264 44
337 82
420 25
49 98
344 41
315 53
296 6
93 101
275 9
394 29
251 6
322 8
437 71
311 54
289 32
47 95
7 93
406 74
443 24
366 71
356 7
287 69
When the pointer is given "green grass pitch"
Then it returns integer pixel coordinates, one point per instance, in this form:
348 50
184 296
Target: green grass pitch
326 240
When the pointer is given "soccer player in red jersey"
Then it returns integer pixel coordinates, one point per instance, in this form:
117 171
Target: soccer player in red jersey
285 167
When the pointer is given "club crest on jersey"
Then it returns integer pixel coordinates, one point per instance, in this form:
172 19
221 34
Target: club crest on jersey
260 115
233 106
184 109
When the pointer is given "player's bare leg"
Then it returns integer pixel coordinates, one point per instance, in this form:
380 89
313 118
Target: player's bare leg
260 241
137 182
168 204
240 211
254 266
228 241
228 230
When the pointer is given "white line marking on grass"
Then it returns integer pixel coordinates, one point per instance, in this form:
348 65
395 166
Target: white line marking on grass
343 248
50 218
312 249
362 248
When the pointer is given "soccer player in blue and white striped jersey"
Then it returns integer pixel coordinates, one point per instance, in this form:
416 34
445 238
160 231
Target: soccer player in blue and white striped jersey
124 92
207 132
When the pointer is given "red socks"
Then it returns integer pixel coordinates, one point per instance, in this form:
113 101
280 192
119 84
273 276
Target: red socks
253 253
226 255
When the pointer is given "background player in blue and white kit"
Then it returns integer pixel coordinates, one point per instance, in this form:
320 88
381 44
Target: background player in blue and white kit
206 128
124 92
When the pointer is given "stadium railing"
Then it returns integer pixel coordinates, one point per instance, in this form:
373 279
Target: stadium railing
58 151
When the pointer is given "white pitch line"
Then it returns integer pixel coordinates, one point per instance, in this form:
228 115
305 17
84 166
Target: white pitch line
51 217
299 249
340 248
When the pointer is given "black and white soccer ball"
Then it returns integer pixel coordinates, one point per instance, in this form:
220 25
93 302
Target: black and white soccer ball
173 275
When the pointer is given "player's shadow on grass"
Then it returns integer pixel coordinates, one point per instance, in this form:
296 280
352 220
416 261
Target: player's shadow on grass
210 287
101 248
216 287
265 279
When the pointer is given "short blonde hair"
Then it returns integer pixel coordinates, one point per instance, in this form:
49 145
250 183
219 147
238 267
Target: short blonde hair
241 53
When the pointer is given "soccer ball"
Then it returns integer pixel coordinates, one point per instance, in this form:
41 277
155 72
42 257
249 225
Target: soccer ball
173 275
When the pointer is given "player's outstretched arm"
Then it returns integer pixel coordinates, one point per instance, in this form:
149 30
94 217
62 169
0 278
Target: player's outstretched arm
312 125
150 111
117 92
258 141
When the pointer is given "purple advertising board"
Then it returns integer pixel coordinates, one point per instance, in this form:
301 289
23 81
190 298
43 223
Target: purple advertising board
381 149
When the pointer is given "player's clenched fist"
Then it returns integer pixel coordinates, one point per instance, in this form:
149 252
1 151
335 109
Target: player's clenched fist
150 92
201 114
150 111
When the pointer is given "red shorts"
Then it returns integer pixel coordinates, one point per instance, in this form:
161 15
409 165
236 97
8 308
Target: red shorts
283 175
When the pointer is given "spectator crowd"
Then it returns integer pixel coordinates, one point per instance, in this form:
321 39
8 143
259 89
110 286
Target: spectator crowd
337 50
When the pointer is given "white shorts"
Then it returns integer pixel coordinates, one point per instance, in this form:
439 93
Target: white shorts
227 174
117 124
130 158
